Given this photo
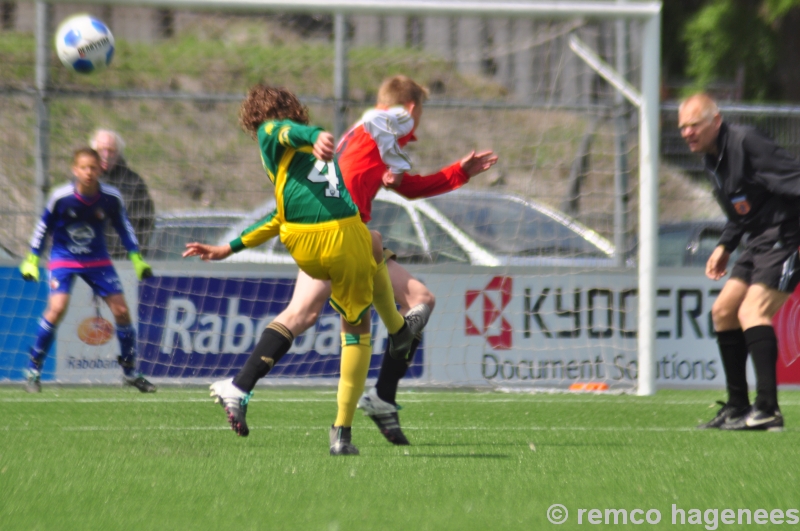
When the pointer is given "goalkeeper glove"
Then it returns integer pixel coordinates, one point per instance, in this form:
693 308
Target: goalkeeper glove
143 269
30 268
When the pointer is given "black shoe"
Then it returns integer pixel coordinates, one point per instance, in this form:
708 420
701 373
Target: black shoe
400 343
414 321
726 412
139 383
340 438
384 415
756 419
389 424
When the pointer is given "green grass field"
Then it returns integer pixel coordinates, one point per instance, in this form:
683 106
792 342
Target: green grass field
108 458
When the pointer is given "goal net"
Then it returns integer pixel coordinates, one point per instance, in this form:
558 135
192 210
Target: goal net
533 264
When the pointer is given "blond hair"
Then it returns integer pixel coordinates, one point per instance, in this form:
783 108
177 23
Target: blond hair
401 90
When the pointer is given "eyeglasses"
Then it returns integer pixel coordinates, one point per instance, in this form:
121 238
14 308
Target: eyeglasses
694 125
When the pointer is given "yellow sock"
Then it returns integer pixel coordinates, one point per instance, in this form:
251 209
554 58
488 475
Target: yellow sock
356 353
383 300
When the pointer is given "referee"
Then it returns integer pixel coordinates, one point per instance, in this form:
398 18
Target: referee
757 184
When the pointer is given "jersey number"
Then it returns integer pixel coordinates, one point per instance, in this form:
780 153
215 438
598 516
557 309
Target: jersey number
330 177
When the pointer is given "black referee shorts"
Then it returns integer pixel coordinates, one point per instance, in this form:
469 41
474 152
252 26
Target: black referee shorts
770 257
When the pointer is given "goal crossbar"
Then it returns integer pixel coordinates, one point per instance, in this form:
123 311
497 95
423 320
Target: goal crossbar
605 10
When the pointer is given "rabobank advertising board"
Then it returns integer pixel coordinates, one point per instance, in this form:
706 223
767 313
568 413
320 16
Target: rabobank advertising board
205 327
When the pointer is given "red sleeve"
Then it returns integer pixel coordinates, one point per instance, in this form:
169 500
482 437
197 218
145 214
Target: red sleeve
445 180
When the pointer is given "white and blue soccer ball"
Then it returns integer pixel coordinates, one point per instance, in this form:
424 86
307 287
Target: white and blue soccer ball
84 44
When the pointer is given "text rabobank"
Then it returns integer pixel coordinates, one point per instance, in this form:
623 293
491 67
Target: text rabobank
235 333
207 327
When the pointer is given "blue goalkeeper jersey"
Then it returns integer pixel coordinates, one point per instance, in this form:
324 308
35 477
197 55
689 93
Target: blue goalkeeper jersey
77 224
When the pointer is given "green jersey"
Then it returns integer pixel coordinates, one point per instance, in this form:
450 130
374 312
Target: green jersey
307 190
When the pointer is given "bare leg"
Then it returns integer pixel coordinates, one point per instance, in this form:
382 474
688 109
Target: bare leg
308 299
118 306
408 291
56 307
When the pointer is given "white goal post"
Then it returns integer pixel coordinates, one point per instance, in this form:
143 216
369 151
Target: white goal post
647 13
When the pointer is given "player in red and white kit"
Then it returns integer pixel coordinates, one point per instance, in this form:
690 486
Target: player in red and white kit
371 156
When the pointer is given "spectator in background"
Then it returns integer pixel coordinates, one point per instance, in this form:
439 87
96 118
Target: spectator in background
138 203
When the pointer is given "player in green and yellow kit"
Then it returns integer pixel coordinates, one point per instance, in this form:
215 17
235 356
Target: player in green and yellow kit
320 226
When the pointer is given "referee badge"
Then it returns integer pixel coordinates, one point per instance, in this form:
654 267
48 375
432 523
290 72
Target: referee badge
741 205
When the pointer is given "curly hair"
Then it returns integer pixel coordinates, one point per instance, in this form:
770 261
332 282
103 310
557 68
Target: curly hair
264 103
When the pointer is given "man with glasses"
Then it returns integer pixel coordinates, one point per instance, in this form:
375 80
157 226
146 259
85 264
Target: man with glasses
757 184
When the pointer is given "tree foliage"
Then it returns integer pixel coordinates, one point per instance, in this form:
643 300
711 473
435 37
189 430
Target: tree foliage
776 9
728 35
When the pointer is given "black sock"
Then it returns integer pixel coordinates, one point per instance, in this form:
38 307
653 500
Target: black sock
392 371
274 343
733 351
763 346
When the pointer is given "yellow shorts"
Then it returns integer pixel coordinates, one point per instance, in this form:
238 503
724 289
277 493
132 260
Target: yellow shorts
339 251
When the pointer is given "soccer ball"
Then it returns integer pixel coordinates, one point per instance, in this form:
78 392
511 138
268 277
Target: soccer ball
84 44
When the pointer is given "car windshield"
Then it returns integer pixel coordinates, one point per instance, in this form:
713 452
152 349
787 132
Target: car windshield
506 227
682 246
672 248
170 237
398 232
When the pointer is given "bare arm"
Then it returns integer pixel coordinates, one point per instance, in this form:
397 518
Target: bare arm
476 163
208 252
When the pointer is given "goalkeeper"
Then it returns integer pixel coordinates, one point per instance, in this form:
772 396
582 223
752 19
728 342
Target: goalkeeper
76 215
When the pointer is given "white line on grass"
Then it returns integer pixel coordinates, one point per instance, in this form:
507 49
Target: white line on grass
402 400
643 429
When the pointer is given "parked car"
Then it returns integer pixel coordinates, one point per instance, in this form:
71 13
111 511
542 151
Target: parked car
173 230
690 243
487 229
522 231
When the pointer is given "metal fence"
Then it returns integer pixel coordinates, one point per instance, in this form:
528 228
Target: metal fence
571 174
781 122
514 83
